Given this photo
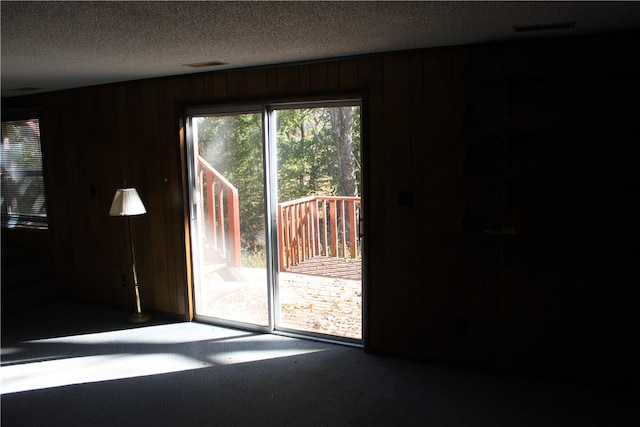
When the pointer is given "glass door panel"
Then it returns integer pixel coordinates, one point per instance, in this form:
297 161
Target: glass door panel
319 283
230 278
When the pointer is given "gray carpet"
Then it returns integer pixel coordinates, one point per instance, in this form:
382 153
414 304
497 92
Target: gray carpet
73 365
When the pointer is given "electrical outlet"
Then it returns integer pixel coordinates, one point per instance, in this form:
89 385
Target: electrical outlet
123 279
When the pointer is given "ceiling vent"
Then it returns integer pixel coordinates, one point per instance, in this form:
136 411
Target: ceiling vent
205 64
545 27
25 89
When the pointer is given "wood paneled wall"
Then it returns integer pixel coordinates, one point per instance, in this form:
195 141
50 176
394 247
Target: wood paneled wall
549 209
434 287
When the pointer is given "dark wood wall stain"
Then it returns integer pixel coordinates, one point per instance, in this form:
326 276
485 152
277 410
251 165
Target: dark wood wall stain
502 197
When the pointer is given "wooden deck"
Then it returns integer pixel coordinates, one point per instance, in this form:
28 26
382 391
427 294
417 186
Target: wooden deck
321 295
343 268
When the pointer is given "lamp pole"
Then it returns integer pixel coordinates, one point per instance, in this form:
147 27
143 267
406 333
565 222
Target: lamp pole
138 316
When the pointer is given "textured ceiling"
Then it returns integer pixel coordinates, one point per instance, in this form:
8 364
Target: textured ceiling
57 45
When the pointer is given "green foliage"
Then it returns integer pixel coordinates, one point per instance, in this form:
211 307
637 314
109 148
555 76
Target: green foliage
254 257
306 155
232 144
23 149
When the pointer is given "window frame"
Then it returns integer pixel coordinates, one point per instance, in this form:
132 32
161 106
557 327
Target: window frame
25 221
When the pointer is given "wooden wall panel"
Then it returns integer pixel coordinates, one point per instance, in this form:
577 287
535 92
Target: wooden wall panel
565 316
237 84
200 87
53 152
374 264
166 165
101 190
304 78
288 79
333 75
176 196
257 83
348 74
220 85
155 174
318 76
557 94
460 65
137 149
399 200
272 81
76 122
119 150
421 277
507 327
432 163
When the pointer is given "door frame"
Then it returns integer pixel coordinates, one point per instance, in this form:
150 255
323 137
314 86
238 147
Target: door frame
265 106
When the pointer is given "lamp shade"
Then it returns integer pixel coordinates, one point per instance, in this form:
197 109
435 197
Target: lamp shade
127 202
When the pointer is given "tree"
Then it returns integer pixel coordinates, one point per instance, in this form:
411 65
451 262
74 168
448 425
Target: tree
342 134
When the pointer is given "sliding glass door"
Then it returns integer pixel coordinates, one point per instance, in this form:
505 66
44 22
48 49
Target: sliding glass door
319 285
275 213
228 217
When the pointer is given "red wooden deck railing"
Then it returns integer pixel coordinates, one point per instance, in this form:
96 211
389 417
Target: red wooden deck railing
317 226
221 196
307 227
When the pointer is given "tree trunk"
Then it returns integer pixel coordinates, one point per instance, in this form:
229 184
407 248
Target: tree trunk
342 131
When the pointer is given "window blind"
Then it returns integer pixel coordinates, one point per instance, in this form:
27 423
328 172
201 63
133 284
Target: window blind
22 191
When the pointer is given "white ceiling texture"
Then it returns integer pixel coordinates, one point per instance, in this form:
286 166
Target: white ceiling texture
52 45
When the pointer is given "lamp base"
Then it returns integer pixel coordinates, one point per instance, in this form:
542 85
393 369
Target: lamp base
139 318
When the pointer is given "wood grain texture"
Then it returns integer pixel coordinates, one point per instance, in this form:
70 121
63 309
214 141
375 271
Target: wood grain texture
397 178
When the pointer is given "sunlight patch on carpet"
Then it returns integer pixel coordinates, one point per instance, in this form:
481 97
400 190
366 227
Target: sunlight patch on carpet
153 350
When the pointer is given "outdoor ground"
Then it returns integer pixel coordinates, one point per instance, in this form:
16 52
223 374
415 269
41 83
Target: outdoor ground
315 298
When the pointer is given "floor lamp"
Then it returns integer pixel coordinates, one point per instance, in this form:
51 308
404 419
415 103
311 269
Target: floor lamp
127 202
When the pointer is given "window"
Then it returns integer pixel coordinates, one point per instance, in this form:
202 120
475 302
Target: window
22 192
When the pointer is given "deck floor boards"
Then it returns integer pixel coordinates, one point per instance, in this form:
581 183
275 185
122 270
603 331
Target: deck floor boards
322 295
